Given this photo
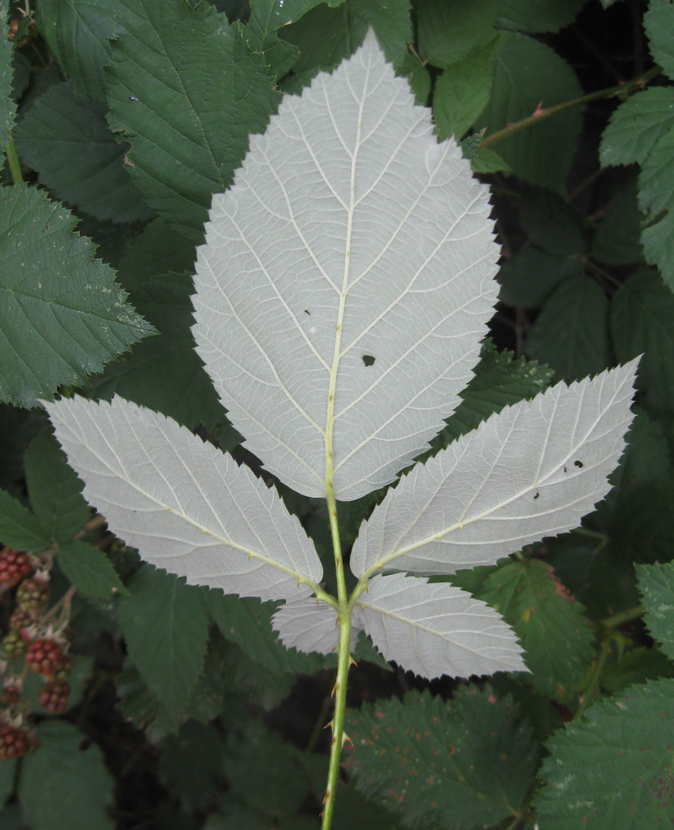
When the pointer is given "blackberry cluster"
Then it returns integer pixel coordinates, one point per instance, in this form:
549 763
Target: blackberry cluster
14 566
16 741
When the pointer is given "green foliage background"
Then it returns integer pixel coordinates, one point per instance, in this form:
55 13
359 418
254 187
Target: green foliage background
121 118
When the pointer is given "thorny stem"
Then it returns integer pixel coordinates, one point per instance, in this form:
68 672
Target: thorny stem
343 663
620 91
13 160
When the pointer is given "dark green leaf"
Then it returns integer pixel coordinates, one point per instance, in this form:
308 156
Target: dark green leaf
528 278
636 127
325 36
186 91
642 524
164 372
468 763
659 26
550 624
499 381
571 334
89 570
449 32
542 153
247 622
656 585
55 491
165 624
656 181
642 321
63 316
19 528
78 33
552 224
537 15
417 75
612 771
646 458
616 241
462 92
63 787
7 105
68 142
7 776
18 427
636 666
259 761
487 161
191 763
658 247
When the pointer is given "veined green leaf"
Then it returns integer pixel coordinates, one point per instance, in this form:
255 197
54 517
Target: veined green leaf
185 505
18 526
68 142
659 26
62 316
370 248
536 15
89 570
636 126
612 771
7 105
656 585
449 32
464 764
530 471
186 91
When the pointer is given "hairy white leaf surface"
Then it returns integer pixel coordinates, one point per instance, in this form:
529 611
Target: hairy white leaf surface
309 626
346 282
530 471
186 506
436 629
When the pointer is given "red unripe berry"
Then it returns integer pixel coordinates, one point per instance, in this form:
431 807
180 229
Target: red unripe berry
44 656
14 566
54 696
15 742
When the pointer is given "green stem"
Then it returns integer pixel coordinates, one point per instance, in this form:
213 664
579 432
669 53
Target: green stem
14 166
622 90
343 663
596 677
626 616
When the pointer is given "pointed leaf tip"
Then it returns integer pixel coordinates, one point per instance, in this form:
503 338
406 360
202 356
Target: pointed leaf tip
346 282
186 506
532 470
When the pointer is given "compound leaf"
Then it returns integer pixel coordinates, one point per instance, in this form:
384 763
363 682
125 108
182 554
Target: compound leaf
435 629
62 316
530 471
186 506
612 771
186 91
370 248
464 764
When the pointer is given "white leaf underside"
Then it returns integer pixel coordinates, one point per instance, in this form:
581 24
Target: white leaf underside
531 471
349 234
436 629
186 506
309 626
